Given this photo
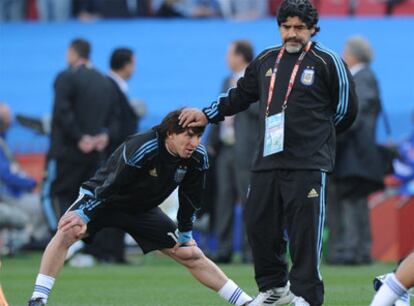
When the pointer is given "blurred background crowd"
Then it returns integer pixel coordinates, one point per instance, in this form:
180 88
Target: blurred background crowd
179 62
88 10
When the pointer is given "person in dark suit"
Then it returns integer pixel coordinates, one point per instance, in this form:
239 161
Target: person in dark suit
108 245
358 171
233 143
84 121
122 64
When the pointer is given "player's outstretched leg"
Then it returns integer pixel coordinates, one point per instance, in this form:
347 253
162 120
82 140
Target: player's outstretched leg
52 262
209 274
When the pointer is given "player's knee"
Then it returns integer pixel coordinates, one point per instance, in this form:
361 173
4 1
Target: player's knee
67 238
190 256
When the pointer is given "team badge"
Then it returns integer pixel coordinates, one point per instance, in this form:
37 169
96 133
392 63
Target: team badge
308 76
179 174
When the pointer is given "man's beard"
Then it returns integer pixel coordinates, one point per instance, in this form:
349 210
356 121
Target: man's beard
294 49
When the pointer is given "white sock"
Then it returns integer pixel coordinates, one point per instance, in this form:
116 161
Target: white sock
43 287
234 294
390 291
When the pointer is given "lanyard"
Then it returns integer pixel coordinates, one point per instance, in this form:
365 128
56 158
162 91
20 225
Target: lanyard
292 76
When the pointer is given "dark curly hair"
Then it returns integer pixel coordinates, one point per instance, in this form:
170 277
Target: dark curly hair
170 124
299 8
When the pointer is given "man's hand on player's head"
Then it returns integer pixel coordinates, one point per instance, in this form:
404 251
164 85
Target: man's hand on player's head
192 117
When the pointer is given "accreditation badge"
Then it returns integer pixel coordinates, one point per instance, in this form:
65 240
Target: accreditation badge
274 134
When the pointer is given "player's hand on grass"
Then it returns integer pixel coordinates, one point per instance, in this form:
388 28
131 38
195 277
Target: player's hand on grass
192 117
72 220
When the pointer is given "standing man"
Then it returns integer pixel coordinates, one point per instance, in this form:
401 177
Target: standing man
122 65
233 141
84 120
358 165
125 193
108 245
306 95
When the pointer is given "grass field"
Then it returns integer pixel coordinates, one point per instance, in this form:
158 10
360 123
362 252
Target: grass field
154 280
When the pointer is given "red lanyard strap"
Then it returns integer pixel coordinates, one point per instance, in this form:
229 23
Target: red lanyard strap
292 76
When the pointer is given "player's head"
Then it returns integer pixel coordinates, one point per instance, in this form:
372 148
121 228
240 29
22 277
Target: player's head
297 20
357 50
79 48
123 62
179 141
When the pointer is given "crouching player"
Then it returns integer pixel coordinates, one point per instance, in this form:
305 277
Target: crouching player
125 193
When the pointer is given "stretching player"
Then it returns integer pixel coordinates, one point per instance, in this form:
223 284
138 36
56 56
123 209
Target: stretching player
125 193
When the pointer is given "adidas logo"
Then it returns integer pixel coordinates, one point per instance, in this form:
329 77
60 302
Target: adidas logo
313 193
153 172
269 73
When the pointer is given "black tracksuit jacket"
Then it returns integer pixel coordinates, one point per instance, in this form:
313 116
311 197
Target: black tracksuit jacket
318 107
141 174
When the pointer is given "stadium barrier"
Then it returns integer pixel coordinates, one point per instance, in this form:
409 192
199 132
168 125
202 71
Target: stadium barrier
392 226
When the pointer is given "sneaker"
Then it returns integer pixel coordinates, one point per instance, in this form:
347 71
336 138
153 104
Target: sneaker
379 280
299 301
36 302
274 297
402 301
82 261
74 249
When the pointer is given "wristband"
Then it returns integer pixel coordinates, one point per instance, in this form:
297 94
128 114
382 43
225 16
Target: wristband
184 237
82 215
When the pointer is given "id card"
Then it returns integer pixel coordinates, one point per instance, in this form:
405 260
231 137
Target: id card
274 134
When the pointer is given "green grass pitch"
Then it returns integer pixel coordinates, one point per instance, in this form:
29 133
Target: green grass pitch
155 280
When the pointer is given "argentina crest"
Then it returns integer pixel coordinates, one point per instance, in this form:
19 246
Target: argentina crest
308 76
179 174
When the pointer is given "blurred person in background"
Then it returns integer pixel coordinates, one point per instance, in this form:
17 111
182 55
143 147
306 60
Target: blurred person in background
404 164
87 10
12 10
358 165
186 8
108 245
20 208
122 64
391 4
244 10
84 121
233 142
54 10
